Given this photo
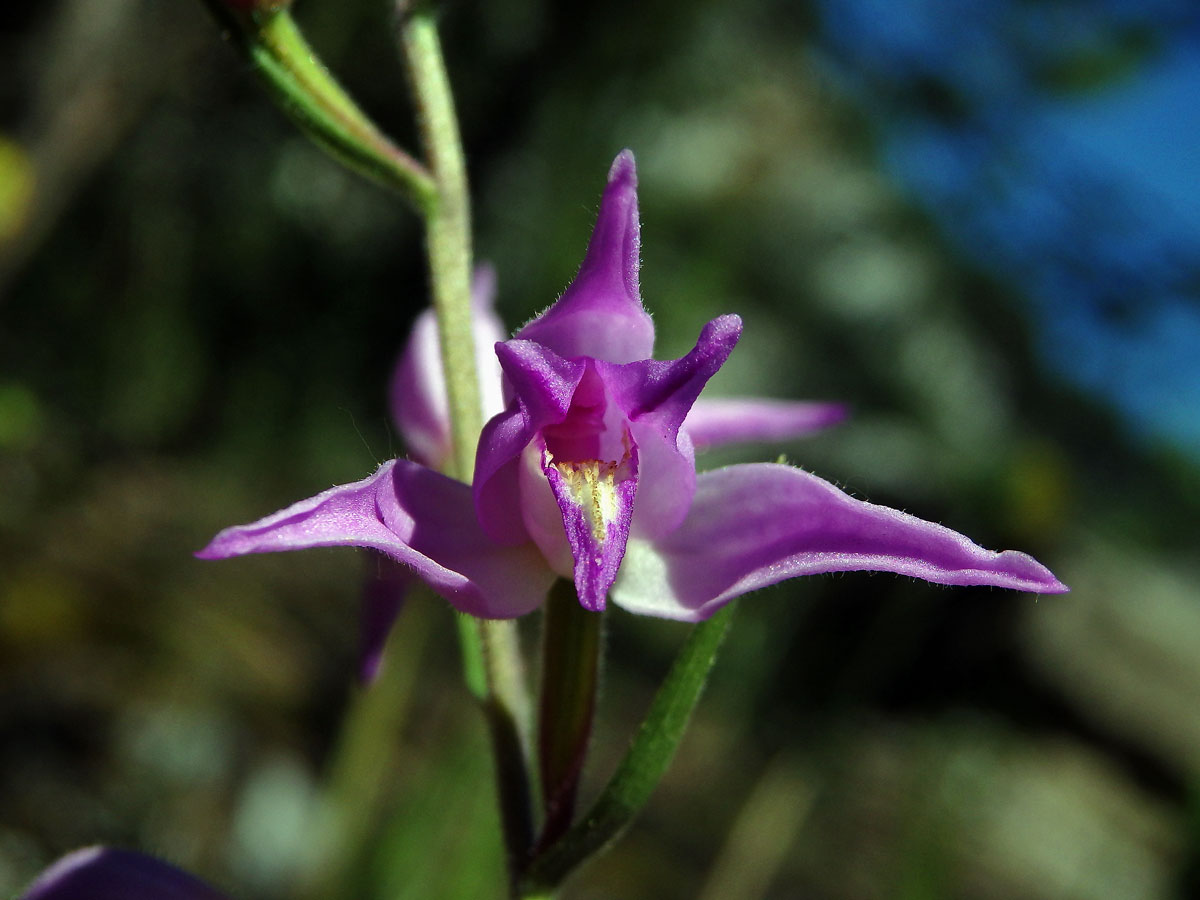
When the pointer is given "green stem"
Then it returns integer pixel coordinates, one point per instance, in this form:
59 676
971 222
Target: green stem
570 677
312 97
448 243
644 764
448 231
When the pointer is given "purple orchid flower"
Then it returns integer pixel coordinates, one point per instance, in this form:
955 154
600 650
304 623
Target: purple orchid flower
589 473
103 873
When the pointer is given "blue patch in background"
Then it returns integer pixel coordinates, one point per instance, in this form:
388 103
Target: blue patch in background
1057 146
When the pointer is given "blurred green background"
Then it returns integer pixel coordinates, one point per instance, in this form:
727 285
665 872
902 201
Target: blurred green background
199 317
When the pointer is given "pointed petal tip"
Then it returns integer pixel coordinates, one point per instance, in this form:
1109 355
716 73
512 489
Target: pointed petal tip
1018 571
1052 586
385 589
226 544
589 602
600 314
210 550
723 328
623 168
717 339
617 232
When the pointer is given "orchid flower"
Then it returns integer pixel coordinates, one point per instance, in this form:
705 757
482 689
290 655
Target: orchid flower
588 473
104 873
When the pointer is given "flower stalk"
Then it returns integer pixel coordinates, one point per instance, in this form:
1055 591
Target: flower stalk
643 765
571 644
494 643
447 229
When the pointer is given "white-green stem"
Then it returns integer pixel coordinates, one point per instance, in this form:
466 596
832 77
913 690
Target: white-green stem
448 230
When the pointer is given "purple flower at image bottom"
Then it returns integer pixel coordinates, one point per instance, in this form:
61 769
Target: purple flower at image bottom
586 470
104 873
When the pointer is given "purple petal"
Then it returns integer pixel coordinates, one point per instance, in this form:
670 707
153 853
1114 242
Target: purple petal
387 585
416 516
542 381
656 396
666 480
600 314
102 873
663 391
755 525
596 502
419 403
543 384
712 423
497 466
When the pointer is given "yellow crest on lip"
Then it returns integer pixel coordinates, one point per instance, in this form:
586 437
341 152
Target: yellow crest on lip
593 488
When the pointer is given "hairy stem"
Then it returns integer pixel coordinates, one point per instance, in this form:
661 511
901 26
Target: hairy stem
448 223
448 231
